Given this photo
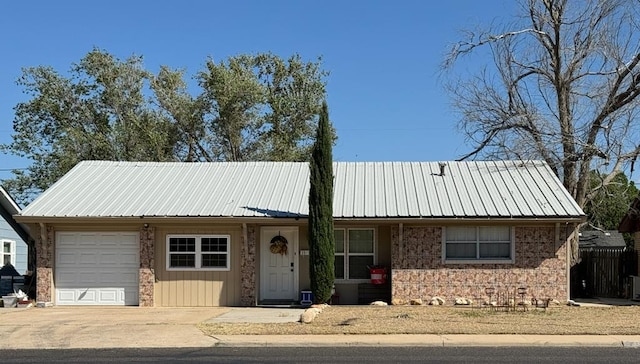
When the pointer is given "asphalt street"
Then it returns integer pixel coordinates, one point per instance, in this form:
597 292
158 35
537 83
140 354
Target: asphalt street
493 355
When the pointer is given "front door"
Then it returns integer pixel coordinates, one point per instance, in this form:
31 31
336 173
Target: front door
279 263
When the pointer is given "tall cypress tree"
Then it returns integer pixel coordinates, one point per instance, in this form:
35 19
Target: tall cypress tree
321 238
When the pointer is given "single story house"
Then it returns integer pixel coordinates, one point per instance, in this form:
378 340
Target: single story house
14 237
235 234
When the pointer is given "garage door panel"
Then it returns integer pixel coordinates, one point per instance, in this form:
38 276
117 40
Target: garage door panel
88 258
66 258
110 258
97 268
128 259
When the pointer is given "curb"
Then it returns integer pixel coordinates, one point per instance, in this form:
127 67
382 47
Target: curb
424 341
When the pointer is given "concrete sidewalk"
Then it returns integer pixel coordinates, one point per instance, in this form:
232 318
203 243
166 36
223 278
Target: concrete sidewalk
134 327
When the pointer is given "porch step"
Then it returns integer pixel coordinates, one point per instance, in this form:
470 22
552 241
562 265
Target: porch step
279 303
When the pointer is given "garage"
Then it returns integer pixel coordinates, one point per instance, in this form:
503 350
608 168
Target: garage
96 268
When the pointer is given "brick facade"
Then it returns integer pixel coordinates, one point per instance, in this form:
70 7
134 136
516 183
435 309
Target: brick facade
419 272
248 267
146 275
44 264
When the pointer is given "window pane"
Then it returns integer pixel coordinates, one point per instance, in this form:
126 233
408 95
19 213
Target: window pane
339 238
495 250
182 260
6 247
495 233
182 244
7 260
339 267
461 233
361 241
359 267
214 244
214 260
461 250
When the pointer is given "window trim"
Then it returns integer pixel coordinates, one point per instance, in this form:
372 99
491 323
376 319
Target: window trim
346 254
512 250
12 252
198 252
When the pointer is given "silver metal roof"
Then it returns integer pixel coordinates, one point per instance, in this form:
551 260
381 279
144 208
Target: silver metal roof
476 189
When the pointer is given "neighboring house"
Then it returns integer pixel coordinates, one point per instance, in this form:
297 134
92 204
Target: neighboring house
13 236
601 239
235 234
631 224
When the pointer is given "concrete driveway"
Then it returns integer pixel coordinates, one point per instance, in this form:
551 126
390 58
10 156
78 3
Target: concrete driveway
104 327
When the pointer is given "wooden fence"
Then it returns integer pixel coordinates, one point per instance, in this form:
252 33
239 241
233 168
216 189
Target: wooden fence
604 272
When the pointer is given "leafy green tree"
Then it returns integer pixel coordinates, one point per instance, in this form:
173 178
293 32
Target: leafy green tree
321 238
610 202
262 107
249 107
98 112
294 92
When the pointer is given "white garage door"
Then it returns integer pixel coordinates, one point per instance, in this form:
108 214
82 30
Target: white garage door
96 268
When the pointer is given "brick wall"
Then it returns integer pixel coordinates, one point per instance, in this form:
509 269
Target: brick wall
419 272
44 264
248 268
147 274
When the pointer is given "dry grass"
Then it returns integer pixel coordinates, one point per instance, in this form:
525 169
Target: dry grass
557 320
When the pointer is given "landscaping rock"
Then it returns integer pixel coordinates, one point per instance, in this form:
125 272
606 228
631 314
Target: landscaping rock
398 302
415 302
378 303
309 315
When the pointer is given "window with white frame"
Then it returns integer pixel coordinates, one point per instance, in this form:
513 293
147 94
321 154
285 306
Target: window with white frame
478 243
8 252
355 252
198 252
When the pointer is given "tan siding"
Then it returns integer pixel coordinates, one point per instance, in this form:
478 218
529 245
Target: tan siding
197 288
303 262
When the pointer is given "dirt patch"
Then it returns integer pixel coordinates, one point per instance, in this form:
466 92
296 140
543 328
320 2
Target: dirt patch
557 320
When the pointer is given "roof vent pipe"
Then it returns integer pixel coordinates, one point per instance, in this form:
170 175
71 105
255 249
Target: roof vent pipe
442 167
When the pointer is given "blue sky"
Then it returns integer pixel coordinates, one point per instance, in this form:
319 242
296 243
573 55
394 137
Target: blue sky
384 89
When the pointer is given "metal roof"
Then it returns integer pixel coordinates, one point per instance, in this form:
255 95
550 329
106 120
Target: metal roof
475 189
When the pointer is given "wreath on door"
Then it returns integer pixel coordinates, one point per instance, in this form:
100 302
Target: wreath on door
279 245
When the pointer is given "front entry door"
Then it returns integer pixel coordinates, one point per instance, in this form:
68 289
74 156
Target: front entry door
279 263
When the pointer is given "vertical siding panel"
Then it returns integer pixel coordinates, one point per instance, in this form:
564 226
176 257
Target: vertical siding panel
186 289
208 290
173 290
216 289
198 288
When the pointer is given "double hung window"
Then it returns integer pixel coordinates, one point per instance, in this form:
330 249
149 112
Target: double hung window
198 252
478 243
8 252
355 252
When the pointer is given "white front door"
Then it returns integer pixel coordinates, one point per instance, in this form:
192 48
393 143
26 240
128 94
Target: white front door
279 263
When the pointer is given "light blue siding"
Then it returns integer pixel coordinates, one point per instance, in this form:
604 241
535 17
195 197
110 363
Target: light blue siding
7 233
